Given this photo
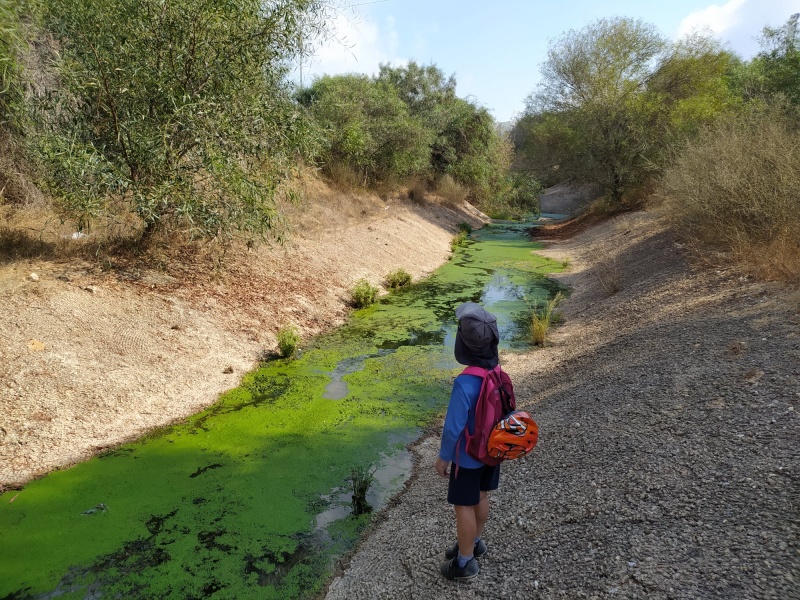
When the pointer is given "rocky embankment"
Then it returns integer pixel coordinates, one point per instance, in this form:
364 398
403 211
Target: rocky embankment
667 466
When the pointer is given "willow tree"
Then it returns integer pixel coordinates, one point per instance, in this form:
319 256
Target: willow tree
178 110
611 96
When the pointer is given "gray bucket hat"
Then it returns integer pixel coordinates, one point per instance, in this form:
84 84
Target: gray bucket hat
477 337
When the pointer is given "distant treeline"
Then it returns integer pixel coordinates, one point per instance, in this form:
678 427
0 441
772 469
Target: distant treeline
687 123
181 115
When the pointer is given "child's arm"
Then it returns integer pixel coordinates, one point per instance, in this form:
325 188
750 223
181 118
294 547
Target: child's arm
455 420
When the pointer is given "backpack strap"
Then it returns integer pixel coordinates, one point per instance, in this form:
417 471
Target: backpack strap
479 371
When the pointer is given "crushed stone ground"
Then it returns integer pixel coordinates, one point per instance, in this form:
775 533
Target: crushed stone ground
667 466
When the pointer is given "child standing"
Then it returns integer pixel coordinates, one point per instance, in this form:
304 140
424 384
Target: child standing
470 480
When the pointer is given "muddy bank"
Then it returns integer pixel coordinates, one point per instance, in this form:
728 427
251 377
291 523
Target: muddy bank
89 359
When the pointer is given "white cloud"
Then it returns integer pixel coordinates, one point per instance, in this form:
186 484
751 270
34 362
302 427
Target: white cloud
358 46
738 23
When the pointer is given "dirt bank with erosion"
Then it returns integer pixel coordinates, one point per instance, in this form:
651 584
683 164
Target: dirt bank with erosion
90 359
667 466
668 460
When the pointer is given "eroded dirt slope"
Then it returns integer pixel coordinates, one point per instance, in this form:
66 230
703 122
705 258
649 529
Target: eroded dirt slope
90 359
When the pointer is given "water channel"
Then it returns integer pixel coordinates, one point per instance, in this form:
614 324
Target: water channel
251 498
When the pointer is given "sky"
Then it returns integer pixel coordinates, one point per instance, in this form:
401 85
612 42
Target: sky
495 48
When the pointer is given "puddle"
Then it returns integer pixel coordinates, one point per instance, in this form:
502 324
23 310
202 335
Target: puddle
337 388
250 498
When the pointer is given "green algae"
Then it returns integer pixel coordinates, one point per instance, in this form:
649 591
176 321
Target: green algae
233 503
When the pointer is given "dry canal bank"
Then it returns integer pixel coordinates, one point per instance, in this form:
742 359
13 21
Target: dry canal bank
250 497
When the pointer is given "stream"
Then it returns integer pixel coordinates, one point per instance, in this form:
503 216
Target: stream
252 497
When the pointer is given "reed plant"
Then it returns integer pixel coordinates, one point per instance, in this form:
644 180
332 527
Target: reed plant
361 479
398 279
543 318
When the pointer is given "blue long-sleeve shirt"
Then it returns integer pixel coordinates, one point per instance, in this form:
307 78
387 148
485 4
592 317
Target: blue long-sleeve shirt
460 414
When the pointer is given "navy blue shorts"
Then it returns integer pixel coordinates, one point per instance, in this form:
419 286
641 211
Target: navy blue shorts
465 490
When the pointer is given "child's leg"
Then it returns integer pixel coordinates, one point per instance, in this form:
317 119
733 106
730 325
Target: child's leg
466 528
481 513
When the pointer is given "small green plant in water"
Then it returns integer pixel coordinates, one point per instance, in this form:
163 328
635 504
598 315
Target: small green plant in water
363 294
458 240
541 320
288 340
361 478
464 226
398 279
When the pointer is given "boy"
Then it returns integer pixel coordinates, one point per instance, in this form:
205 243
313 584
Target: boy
470 480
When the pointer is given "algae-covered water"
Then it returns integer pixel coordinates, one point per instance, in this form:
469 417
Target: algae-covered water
250 498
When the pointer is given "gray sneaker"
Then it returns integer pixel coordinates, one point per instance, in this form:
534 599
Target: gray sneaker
451 570
479 550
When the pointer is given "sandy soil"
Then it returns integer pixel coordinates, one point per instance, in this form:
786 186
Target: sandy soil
90 359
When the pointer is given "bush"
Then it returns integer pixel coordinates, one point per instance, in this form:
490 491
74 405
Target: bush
542 319
288 340
178 110
458 240
465 227
450 190
397 279
738 187
363 294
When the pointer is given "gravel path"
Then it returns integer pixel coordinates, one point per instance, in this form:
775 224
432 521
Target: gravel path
667 465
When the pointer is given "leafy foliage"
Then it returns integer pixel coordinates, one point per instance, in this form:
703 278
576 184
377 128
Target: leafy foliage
613 97
407 122
178 110
779 59
363 294
10 39
367 127
398 279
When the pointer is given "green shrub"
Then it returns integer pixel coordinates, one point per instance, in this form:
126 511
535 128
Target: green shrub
288 340
459 239
542 319
466 227
397 279
169 107
363 294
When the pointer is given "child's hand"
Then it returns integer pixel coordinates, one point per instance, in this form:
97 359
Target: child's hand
441 467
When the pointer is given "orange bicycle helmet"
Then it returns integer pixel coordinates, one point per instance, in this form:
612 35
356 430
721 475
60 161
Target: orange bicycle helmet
514 436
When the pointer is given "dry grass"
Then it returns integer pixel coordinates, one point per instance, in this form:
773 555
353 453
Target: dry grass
449 190
417 190
738 188
319 206
344 177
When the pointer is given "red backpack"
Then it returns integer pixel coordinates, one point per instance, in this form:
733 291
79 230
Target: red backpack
500 431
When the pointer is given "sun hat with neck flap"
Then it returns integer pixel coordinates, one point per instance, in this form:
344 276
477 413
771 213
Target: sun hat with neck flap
477 337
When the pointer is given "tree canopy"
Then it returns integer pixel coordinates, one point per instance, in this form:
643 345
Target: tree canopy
612 96
407 121
179 109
